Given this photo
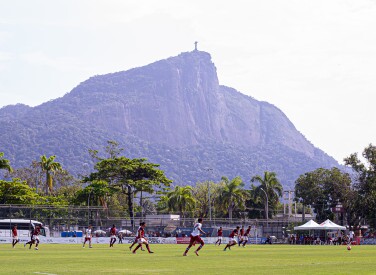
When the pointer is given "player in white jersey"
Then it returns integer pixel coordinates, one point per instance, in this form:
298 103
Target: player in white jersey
195 237
88 236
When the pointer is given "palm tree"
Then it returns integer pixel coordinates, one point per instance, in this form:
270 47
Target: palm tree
271 186
181 199
49 166
232 195
4 163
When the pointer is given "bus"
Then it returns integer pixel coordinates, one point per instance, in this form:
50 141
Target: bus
24 227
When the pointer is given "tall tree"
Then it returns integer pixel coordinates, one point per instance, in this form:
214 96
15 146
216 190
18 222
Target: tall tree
255 204
96 193
201 196
365 182
49 166
4 163
309 190
181 199
131 175
34 176
323 189
232 195
271 186
16 192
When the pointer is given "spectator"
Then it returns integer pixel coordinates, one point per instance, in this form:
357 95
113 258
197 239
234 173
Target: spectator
268 240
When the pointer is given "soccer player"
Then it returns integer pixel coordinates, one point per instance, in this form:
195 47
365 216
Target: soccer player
141 238
88 236
195 237
219 234
120 236
112 235
34 238
136 240
241 235
246 235
351 236
14 235
232 241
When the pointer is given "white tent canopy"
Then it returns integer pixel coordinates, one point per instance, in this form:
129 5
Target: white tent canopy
125 232
329 225
310 225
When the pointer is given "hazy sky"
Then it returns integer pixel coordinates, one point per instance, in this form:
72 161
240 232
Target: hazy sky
315 60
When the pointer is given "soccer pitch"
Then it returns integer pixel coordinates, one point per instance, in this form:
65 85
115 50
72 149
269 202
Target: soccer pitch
168 259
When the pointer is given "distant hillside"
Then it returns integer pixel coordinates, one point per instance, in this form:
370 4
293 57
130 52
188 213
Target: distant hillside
173 112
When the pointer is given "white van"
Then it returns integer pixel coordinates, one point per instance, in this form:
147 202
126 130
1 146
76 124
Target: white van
24 227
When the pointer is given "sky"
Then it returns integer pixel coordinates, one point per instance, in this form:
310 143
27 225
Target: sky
315 60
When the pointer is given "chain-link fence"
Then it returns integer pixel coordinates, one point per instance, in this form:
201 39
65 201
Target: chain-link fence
66 220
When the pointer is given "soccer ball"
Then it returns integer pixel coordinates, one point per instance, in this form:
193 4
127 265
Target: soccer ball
348 247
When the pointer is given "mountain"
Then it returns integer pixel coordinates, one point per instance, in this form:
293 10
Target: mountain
173 112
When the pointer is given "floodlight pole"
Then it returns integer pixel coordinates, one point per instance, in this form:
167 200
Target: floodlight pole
88 208
209 200
267 205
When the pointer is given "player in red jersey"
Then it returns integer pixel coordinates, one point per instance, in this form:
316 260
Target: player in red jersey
142 239
112 235
246 235
34 238
88 236
241 235
15 235
136 240
219 234
232 241
195 237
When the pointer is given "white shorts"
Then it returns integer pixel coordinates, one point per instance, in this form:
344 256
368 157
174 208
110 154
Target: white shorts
113 237
15 238
142 240
245 238
35 238
220 238
232 240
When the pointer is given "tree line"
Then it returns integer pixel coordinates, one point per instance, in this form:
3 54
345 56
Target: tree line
137 186
351 195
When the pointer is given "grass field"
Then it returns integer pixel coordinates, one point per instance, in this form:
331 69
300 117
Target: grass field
168 259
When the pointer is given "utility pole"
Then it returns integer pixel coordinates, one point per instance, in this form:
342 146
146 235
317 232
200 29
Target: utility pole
196 45
209 200
290 203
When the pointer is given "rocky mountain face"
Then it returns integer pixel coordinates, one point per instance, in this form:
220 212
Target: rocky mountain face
173 112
